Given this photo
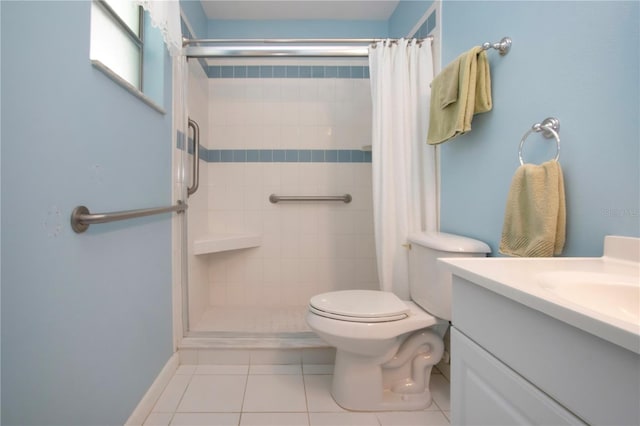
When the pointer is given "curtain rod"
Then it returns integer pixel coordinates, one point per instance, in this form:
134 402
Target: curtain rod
260 48
187 41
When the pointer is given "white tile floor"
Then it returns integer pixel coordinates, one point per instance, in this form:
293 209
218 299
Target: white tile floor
278 395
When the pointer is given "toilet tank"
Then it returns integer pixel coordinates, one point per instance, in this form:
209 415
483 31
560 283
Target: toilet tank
430 283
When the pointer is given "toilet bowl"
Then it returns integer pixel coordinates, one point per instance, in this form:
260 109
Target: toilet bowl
385 346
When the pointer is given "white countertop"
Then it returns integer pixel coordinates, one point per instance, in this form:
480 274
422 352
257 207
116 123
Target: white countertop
518 279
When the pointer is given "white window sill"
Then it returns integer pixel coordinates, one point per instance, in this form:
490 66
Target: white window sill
126 85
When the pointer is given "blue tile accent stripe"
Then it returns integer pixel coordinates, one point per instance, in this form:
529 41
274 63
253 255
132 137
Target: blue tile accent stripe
287 71
285 155
277 155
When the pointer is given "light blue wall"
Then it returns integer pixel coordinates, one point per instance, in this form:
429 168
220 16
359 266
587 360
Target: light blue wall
86 319
194 13
298 28
406 16
399 24
577 61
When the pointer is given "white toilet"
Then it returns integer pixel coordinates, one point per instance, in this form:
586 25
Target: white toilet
385 346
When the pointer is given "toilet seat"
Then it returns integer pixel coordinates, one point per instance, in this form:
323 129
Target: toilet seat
359 306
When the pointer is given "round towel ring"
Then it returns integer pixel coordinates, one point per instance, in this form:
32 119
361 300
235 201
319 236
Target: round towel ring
549 128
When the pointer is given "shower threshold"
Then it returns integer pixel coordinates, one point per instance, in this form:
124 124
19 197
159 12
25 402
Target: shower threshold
252 327
222 340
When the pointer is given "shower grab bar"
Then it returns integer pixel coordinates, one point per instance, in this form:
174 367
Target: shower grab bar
195 179
81 217
346 198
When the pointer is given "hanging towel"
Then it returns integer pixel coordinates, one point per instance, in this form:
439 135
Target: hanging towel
535 216
461 90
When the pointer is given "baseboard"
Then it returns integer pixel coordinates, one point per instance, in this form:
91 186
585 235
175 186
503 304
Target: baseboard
147 402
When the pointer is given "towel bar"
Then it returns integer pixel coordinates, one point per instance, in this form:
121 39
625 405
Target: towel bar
346 198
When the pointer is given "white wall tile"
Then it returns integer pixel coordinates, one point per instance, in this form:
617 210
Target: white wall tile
236 295
289 90
326 89
271 270
217 173
254 222
306 248
253 269
271 247
234 221
271 175
218 294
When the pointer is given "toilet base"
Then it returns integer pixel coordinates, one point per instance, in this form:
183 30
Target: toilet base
391 401
395 381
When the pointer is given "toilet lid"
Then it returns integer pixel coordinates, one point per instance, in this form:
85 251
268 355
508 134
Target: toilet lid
359 305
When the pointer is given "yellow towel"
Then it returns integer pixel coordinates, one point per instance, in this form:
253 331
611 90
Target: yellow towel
461 90
535 217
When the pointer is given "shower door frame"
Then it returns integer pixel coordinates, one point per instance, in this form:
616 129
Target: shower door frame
250 48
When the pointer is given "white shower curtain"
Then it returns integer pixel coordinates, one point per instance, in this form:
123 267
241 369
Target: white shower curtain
165 15
404 167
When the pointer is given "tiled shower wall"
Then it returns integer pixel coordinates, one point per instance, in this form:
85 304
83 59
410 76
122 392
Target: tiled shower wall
289 129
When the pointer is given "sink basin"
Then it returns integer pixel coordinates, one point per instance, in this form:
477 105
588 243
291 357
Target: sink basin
613 295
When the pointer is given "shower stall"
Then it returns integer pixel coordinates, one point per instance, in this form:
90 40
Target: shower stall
299 126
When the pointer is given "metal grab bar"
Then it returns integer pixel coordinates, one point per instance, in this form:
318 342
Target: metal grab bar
81 217
346 198
195 181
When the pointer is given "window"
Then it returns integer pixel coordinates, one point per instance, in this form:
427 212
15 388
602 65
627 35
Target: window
116 38
128 49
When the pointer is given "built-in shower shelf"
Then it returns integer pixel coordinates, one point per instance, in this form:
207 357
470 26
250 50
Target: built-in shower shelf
224 242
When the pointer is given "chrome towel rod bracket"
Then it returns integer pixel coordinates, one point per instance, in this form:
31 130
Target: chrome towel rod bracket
503 46
81 217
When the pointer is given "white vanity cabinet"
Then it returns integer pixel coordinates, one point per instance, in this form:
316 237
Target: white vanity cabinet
487 392
515 365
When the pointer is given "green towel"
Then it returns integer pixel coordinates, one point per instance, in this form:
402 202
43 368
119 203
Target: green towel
535 215
461 90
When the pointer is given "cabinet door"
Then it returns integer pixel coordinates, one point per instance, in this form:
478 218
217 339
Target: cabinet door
486 392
